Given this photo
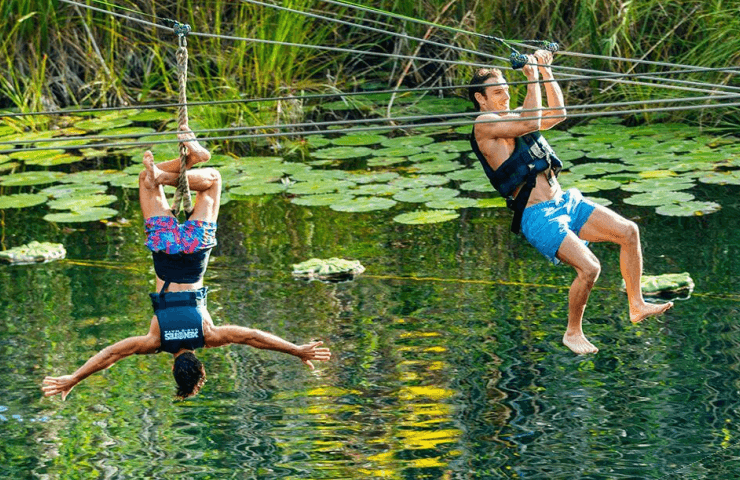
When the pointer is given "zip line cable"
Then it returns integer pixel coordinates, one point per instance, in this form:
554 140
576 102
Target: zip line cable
333 123
321 96
371 128
397 16
353 51
453 47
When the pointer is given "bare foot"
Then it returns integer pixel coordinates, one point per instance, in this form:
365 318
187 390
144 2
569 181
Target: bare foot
578 344
196 152
154 174
638 314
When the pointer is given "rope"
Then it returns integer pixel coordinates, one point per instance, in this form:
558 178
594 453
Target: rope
182 199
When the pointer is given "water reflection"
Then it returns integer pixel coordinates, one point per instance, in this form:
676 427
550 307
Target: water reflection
457 372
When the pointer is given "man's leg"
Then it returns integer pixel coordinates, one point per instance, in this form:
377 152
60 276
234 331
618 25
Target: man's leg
604 225
573 252
206 182
196 153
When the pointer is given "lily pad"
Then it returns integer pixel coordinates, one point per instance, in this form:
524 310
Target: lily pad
426 216
407 141
82 202
568 155
342 153
319 175
494 202
668 184
33 252
332 269
376 189
668 285
422 195
319 186
26 179
397 151
432 156
317 141
84 177
596 168
150 116
593 185
21 200
358 139
373 177
320 200
437 166
481 184
420 181
466 175
657 198
258 189
93 214
457 146
688 209
721 178
97 124
64 190
363 204
385 161
453 203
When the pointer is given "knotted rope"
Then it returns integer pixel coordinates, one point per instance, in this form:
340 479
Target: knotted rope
182 199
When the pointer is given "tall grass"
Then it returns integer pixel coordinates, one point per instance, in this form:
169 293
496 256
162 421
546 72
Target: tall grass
48 57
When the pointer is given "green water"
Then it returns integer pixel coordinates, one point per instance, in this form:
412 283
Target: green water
447 356
441 368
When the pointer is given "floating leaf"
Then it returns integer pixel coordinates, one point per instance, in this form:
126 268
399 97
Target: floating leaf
495 202
363 204
568 155
453 203
601 201
317 141
420 181
21 200
670 184
610 153
376 189
313 187
150 116
636 143
432 156
482 184
91 176
127 131
342 153
77 203
384 162
654 199
93 214
33 252
724 178
657 174
437 166
318 175
9 166
688 209
457 146
407 141
263 189
466 175
596 168
64 190
332 269
397 151
97 124
320 200
373 177
592 185
358 139
422 195
124 181
25 179
426 216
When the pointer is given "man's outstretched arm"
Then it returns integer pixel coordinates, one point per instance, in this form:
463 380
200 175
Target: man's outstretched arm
100 361
227 334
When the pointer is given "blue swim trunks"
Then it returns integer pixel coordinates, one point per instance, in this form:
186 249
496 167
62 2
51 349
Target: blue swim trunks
166 234
545 225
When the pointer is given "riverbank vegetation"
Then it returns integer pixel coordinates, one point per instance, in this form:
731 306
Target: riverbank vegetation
57 55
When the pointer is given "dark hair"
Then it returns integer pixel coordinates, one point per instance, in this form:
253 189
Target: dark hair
189 374
479 78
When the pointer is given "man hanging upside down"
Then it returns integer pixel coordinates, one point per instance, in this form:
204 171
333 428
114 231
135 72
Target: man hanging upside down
523 168
181 323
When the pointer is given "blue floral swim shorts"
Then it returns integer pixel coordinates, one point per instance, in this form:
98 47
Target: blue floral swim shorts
166 234
545 225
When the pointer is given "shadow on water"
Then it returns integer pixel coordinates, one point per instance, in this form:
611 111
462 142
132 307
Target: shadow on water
447 356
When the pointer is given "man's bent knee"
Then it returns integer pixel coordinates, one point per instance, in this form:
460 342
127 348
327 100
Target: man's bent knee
590 272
